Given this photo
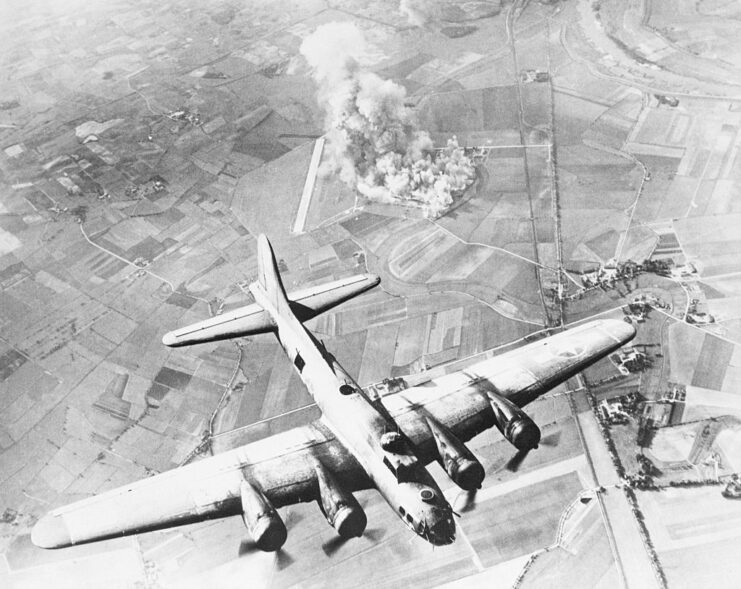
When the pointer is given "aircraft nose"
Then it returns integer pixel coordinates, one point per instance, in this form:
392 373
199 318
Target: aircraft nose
442 532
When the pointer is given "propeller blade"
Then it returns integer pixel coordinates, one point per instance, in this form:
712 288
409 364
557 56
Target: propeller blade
374 535
468 501
247 547
333 545
551 440
282 559
516 461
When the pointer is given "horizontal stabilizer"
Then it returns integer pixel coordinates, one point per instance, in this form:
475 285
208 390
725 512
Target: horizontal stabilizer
306 304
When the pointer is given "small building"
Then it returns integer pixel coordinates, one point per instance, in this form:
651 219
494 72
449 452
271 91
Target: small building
699 318
14 150
629 360
527 76
676 394
672 101
686 271
733 488
613 412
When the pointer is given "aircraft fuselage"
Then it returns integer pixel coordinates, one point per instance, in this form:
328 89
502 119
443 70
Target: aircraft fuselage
396 471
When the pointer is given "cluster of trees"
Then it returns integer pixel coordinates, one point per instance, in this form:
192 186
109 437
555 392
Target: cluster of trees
629 493
660 267
645 536
632 403
693 483
604 430
525 569
646 432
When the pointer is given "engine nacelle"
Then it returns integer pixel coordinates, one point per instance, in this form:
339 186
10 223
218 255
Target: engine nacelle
342 510
515 425
261 519
458 461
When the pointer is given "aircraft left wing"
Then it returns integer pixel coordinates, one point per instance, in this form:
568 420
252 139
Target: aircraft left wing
281 466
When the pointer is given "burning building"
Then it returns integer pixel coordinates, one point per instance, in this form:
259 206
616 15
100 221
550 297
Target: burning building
373 142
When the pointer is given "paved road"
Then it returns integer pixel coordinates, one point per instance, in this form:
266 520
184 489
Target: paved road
636 564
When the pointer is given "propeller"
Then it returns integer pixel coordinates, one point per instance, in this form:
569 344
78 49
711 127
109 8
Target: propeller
336 542
465 501
514 463
247 547
282 558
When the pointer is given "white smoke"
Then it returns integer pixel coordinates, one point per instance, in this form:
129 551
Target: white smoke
414 10
372 139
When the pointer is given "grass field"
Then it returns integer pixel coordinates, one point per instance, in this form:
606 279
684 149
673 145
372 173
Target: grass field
692 543
470 110
710 370
713 241
524 520
663 127
459 262
415 258
377 310
275 186
578 227
330 197
659 189
372 230
378 354
704 565
639 243
587 562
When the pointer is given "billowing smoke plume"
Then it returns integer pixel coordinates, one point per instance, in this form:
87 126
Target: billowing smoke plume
372 139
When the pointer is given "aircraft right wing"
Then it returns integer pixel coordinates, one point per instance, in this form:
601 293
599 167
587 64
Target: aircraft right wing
281 466
306 303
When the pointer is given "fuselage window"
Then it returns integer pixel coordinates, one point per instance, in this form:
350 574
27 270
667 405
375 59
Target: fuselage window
299 363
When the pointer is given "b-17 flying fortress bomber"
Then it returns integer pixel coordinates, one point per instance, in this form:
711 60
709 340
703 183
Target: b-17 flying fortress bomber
498 215
358 443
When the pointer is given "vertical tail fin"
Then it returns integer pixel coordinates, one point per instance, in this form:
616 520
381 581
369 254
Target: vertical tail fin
268 276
